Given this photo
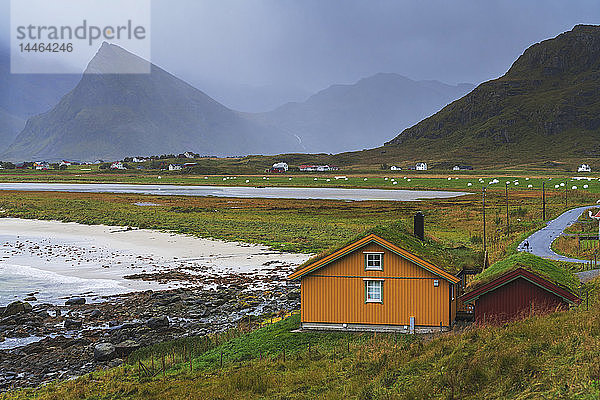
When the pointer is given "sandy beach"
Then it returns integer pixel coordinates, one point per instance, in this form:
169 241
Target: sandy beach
58 260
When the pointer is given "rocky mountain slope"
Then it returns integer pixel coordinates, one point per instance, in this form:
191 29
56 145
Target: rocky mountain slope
111 116
547 106
25 95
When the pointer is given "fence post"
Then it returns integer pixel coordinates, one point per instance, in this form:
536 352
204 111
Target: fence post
163 366
221 358
284 354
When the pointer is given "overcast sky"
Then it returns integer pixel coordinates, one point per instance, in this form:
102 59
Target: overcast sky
310 44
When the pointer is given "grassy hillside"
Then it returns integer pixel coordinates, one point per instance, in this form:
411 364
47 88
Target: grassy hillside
544 108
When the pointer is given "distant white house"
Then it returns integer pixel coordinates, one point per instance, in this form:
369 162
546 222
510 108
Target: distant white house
281 165
65 163
462 168
584 168
395 168
41 165
318 168
421 166
188 154
138 160
117 165
175 167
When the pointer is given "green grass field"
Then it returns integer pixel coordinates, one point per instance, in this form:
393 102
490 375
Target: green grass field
434 180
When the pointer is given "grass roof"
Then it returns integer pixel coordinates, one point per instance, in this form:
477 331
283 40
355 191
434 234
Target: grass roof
547 269
451 259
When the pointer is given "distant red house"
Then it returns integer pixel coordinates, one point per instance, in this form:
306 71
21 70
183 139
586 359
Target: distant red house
517 294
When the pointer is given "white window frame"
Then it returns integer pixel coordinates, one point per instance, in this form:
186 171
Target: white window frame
373 253
380 287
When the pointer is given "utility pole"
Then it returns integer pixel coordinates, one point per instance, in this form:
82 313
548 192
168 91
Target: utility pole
484 239
566 203
543 201
507 220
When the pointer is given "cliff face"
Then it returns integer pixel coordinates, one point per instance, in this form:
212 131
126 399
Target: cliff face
551 94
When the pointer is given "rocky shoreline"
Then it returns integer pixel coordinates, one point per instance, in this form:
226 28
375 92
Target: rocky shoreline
61 342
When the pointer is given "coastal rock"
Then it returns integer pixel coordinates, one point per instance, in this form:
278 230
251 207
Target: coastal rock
75 301
95 313
104 352
117 362
293 295
126 347
16 307
158 322
73 323
30 298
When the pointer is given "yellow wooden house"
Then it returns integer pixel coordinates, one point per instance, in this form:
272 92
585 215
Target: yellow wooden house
374 284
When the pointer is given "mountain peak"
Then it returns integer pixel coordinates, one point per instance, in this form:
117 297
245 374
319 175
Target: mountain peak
113 59
570 52
544 107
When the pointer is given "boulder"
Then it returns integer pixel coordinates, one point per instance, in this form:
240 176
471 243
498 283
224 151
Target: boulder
15 308
73 323
96 313
126 347
104 352
117 362
293 295
158 322
75 301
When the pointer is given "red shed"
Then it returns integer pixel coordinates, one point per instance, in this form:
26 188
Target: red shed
517 293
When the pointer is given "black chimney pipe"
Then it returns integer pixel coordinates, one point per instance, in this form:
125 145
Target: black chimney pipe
419 225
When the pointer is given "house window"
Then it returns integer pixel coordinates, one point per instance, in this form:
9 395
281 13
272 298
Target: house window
374 261
373 291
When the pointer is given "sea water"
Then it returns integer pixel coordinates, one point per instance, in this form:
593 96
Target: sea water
53 269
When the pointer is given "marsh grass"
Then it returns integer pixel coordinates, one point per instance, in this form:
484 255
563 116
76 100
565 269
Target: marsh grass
308 226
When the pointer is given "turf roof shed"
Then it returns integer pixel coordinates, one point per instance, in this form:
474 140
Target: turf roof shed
520 285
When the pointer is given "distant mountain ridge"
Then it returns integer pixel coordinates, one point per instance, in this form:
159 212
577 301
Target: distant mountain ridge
547 106
25 95
356 116
112 116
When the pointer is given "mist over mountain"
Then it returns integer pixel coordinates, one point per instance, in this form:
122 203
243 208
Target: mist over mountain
547 106
252 98
111 116
362 115
25 95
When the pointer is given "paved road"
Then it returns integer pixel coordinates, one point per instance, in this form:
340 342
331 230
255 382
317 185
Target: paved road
586 276
540 241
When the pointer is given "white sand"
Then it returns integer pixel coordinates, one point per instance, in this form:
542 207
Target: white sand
99 256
